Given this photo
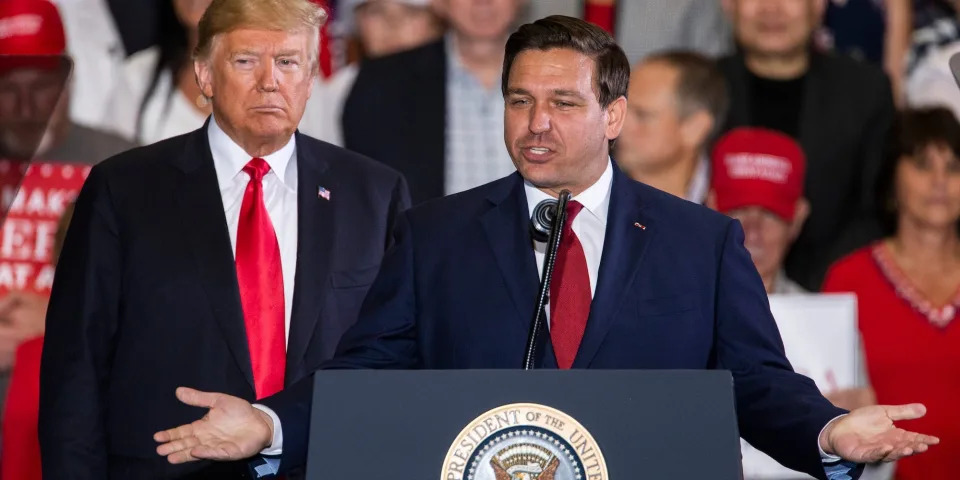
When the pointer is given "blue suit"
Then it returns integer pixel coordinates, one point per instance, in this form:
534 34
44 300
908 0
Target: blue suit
457 291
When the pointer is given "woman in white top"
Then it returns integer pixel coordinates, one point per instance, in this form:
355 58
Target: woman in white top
158 97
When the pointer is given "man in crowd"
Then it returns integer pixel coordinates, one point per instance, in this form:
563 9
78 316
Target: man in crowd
35 124
435 113
244 247
837 108
457 289
758 179
675 104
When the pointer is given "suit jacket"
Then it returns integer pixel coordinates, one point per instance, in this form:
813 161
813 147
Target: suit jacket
846 114
457 291
146 299
396 114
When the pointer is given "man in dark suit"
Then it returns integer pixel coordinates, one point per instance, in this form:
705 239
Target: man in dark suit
642 280
435 113
838 109
231 258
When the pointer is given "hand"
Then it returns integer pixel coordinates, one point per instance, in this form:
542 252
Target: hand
867 435
22 317
231 430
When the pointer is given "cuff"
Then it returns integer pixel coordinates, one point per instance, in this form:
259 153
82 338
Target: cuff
824 456
276 446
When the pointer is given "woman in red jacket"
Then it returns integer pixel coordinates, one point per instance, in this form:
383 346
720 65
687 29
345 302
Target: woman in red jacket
908 286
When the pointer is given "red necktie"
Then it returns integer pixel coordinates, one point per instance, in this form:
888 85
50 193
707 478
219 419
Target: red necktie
570 295
261 285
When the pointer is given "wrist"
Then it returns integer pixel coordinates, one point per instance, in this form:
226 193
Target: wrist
266 440
826 444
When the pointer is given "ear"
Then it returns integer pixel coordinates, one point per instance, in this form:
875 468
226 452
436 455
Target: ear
204 73
800 215
695 129
711 200
616 112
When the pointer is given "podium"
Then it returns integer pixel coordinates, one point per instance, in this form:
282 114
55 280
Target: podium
523 425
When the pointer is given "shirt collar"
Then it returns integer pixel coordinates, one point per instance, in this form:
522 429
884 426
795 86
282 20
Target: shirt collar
595 199
230 158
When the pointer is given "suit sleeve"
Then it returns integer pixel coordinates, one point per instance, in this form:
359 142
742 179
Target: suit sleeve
81 324
383 337
779 411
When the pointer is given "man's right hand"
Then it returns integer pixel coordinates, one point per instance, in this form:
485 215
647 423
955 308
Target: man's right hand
232 429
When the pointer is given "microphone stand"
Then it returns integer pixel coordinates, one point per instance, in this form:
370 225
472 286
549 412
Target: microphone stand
553 243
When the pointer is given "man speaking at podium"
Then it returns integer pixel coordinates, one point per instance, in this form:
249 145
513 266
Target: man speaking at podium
643 280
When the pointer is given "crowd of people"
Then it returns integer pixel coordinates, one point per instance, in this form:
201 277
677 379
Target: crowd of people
829 129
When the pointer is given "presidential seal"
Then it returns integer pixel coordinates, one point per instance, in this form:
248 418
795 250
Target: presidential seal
524 441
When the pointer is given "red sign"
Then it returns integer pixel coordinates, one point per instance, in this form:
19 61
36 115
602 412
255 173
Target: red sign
34 207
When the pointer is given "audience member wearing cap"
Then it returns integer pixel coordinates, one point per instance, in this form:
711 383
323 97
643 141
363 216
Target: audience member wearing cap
643 27
838 109
435 113
380 27
157 96
908 284
34 123
675 104
758 179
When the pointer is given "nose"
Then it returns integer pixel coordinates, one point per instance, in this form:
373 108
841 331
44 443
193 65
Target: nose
539 120
267 81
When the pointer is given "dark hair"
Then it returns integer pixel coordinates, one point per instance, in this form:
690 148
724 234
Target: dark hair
913 131
173 46
700 85
612 73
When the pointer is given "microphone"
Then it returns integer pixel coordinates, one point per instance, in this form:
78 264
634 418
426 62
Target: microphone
542 220
547 222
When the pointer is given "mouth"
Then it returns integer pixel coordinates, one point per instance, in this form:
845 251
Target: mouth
267 109
537 154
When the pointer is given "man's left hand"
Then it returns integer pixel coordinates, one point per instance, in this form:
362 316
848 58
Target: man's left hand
868 435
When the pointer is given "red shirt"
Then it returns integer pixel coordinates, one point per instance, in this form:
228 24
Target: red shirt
20 458
909 358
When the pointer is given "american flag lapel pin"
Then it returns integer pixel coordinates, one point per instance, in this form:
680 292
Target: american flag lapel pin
639 225
323 193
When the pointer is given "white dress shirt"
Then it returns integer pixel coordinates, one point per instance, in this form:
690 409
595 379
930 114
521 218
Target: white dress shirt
279 195
590 226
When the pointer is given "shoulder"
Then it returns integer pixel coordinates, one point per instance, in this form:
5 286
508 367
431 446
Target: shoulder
426 55
349 166
844 70
143 162
680 217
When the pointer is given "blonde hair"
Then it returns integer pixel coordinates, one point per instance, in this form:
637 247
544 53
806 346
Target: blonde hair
224 16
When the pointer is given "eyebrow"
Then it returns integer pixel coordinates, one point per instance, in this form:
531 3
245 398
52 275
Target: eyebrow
556 92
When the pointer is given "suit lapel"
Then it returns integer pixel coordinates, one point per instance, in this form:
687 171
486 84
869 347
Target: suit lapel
315 239
624 247
506 226
201 211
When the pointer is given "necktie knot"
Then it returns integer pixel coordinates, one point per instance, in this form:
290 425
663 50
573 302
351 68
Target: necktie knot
573 209
257 168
